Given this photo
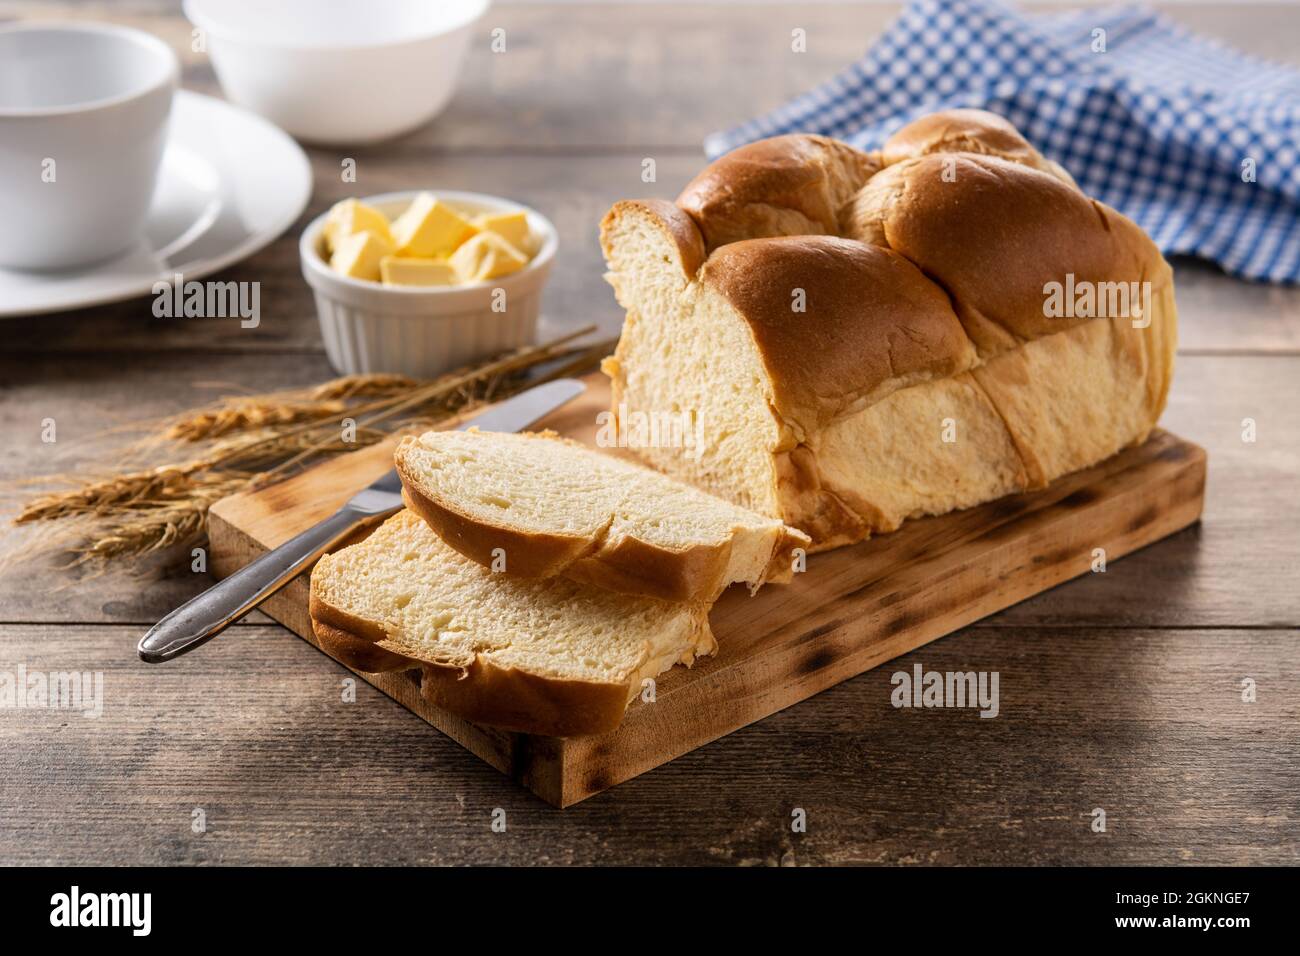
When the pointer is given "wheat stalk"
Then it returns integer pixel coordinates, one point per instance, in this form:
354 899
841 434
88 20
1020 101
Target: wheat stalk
249 441
157 525
118 493
250 413
321 401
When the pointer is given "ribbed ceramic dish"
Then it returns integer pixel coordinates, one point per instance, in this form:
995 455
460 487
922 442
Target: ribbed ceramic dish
424 332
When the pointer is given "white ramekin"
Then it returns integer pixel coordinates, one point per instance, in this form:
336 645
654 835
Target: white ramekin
423 332
338 71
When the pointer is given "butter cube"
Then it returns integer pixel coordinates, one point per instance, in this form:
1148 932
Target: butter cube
430 228
349 217
486 256
409 270
359 255
510 226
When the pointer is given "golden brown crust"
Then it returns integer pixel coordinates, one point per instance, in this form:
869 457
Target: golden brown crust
993 234
632 566
871 322
966 131
790 185
352 648
675 224
526 703
485 693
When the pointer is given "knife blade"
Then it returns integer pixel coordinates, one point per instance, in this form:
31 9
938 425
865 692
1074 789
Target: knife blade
198 621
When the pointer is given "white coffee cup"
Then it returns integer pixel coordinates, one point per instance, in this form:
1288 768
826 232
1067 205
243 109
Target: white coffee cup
83 123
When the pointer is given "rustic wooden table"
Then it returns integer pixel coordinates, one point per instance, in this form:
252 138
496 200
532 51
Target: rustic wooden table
1119 690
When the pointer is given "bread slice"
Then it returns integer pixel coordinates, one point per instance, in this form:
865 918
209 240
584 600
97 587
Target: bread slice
539 506
552 657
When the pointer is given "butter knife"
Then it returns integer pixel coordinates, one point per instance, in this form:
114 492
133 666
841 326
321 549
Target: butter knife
198 621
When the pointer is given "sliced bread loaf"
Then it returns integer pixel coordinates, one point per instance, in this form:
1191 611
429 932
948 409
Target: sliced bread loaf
539 506
551 657
935 359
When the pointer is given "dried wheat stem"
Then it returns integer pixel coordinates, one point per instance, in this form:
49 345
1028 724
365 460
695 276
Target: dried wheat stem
384 408
158 525
98 497
363 386
249 413
256 439
382 411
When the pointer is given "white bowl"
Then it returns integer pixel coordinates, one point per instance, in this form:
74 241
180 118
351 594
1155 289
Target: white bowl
421 331
83 122
338 71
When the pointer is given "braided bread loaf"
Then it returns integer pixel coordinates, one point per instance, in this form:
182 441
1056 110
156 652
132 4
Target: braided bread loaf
867 337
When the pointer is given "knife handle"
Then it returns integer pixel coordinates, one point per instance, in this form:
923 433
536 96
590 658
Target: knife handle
198 621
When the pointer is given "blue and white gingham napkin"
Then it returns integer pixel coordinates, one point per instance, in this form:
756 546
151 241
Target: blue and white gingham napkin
1162 125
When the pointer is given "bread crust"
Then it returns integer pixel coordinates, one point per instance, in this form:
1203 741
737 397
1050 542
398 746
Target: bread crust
995 234
626 566
484 693
677 227
966 131
834 357
791 185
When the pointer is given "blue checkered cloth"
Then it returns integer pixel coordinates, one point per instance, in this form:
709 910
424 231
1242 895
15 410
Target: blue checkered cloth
1164 125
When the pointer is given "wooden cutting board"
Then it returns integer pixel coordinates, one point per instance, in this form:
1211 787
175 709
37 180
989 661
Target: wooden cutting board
852 610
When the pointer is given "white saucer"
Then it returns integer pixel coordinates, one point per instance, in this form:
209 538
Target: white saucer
230 183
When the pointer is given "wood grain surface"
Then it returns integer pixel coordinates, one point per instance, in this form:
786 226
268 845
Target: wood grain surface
1126 685
1146 724
851 610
